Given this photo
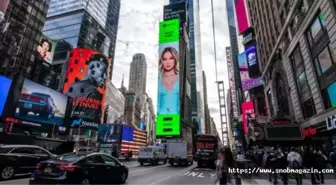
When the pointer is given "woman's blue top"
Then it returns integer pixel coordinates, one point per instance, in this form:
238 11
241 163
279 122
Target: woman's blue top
169 102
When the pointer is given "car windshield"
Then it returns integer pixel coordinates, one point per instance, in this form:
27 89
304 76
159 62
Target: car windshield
70 158
4 150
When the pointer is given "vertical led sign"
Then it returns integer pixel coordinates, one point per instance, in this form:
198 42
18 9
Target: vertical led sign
252 61
241 16
168 106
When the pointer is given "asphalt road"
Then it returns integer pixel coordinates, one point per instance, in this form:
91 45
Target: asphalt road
156 175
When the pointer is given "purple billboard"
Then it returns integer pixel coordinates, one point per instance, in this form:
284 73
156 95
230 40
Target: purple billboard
252 61
244 60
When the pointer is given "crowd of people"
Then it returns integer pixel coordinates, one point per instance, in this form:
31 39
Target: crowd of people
279 158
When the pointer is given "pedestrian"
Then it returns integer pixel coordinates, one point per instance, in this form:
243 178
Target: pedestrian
281 163
332 158
295 162
320 164
308 161
271 163
224 162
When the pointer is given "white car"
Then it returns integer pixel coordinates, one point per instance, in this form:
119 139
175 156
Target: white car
152 155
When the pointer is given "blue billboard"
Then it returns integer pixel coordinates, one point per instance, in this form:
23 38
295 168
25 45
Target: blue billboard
5 85
40 104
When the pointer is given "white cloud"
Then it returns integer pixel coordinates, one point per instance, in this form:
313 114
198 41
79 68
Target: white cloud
138 33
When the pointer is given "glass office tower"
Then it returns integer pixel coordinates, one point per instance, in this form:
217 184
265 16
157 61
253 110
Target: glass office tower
85 24
195 60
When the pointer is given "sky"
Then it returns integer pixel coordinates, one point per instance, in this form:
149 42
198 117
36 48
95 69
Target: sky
138 33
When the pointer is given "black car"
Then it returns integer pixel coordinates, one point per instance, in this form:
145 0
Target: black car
82 168
20 159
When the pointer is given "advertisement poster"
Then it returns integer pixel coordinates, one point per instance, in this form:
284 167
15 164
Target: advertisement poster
175 11
40 104
85 83
241 15
109 133
142 125
197 124
168 107
246 81
332 94
3 8
46 49
247 108
252 61
5 85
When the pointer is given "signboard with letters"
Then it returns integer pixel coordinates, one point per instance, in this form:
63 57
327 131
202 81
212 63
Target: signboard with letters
331 122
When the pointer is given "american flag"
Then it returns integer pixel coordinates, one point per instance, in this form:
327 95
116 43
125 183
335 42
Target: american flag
132 139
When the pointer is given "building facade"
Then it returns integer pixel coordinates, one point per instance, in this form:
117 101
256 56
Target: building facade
138 74
195 52
83 24
206 107
297 57
115 103
22 27
132 109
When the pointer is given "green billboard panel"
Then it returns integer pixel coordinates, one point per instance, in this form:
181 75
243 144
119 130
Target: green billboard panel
169 31
167 125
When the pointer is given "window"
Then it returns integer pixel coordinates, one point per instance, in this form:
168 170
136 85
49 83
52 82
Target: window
302 82
95 159
316 30
308 108
323 61
23 151
39 151
5 150
109 160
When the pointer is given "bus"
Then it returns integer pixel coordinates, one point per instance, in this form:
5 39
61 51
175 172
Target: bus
206 150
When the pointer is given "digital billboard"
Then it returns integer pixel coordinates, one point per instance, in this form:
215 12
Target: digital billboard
332 94
109 133
40 104
175 11
46 49
246 81
3 8
247 108
85 83
252 61
5 85
241 16
168 106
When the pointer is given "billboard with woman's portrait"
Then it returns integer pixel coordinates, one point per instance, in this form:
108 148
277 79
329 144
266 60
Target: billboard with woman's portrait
46 49
168 106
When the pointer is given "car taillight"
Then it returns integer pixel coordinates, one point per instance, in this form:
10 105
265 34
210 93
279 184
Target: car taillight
68 168
38 166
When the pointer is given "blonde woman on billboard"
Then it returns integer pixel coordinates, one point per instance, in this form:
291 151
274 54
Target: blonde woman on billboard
169 82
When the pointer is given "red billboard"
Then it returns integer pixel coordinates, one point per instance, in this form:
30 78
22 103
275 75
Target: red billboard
247 108
241 16
3 7
85 83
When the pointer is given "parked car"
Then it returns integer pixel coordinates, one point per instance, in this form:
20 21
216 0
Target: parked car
20 159
81 168
38 103
152 155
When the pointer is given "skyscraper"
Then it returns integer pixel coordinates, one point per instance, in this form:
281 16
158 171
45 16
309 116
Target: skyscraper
84 23
138 74
195 60
21 32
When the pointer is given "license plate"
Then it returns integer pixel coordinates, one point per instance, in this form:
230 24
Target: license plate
28 105
205 158
47 170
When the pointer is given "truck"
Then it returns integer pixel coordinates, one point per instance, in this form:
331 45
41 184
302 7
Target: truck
206 150
178 152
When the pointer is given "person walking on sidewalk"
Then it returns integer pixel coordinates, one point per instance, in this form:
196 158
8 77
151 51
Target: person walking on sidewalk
295 162
332 158
271 163
308 161
320 163
281 163
225 160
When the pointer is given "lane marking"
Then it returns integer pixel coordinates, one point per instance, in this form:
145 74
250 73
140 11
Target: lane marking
146 169
163 179
16 180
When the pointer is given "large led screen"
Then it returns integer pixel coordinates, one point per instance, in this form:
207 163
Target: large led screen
109 133
5 85
246 81
252 61
3 8
40 104
168 106
241 15
332 94
85 83
247 108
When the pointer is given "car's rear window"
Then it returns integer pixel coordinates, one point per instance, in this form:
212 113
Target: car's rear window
146 149
70 158
4 150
